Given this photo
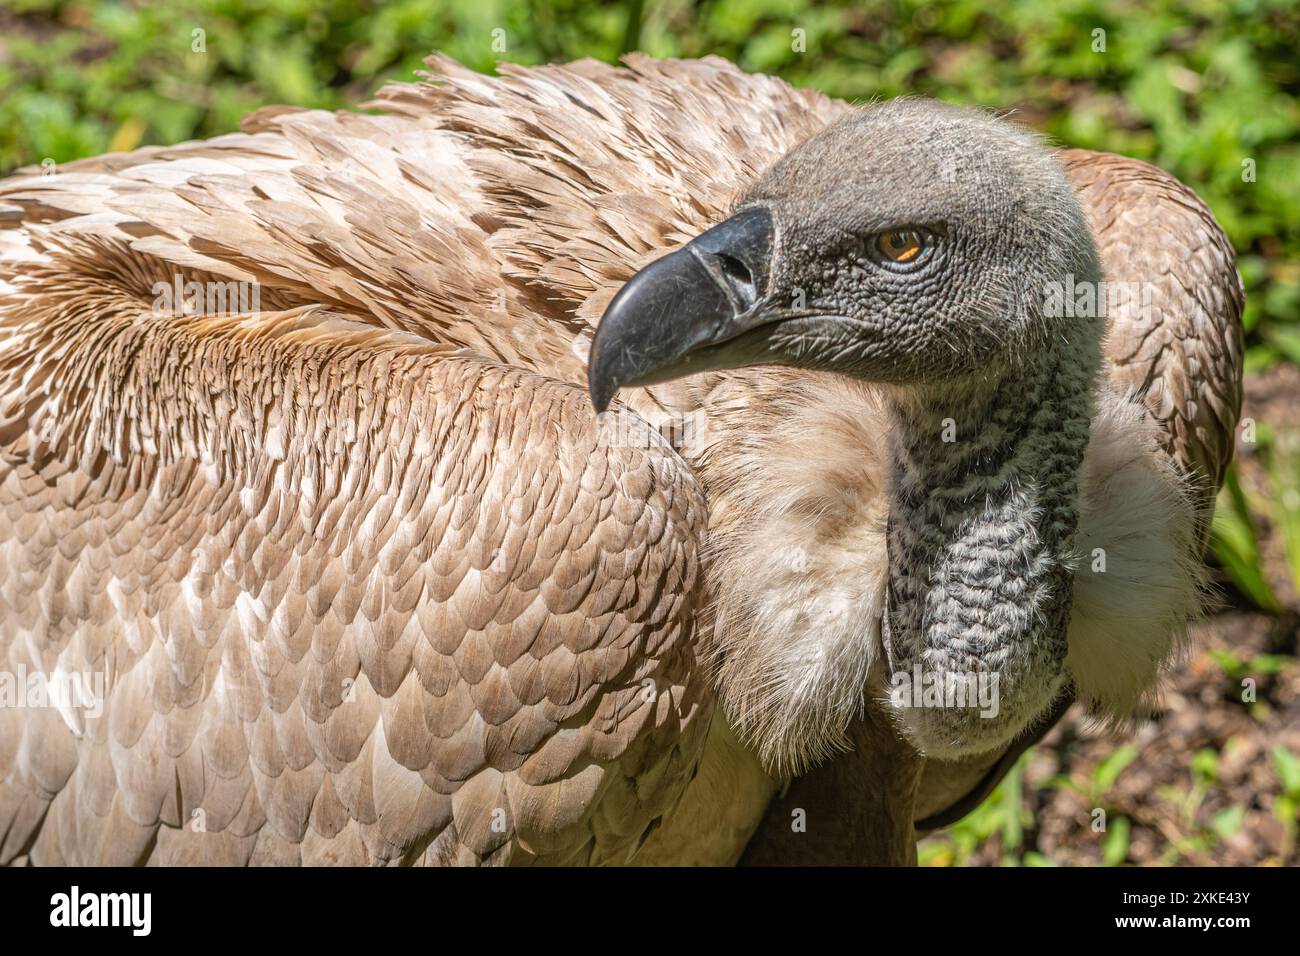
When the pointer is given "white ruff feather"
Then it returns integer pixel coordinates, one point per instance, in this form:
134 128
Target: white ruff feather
798 568
1130 621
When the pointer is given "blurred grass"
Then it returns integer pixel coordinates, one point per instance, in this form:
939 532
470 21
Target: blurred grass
1204 88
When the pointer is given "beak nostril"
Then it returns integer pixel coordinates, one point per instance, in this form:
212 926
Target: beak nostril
736 253
739 278
734 268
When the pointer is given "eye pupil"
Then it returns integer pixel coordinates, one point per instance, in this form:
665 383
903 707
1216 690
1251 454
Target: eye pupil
901 245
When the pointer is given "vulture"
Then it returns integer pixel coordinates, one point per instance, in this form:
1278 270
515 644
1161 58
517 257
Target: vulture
314 551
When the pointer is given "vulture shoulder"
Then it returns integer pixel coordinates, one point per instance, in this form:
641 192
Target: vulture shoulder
1174 335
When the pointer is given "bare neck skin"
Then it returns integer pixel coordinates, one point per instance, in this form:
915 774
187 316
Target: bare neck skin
983 513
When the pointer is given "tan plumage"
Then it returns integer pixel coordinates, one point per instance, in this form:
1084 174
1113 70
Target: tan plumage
1181 349
364 579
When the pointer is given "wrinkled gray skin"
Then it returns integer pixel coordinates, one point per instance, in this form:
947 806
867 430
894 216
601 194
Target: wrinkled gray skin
981 527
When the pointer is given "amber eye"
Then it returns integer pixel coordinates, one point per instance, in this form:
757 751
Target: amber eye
900 245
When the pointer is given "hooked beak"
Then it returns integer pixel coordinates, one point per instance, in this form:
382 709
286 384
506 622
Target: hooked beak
676 316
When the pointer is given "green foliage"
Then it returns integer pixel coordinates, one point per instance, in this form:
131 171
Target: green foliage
1288 771
1286 808
1284 473
1108 771
1258 666
1237 548
1275 505
1003 814
1114 845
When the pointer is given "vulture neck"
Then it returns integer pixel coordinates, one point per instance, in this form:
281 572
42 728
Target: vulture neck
983 511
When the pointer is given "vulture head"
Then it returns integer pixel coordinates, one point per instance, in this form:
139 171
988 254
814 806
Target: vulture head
916 246
907 244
